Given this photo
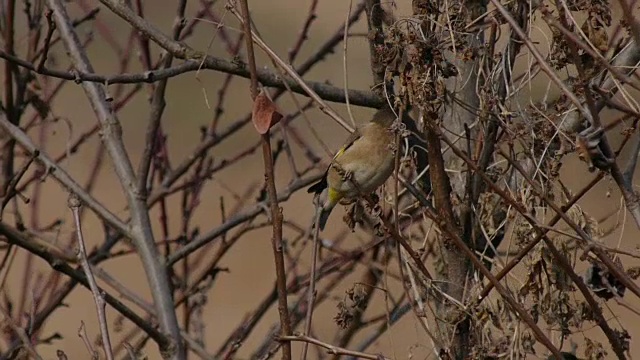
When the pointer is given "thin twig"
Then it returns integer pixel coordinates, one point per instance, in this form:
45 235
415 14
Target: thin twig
322 105
51 26
63 177
345 73
21 333
82 334
311 295
331 349
98 295
157 108
311 16
11 191
376 42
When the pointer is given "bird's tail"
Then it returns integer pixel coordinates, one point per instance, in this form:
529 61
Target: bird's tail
326 200
324 215
319 187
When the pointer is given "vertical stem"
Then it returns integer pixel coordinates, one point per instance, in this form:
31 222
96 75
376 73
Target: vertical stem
376 40
8 66
7 148
458 268
276 211
312 281
281 275
251 57
7 155
98 296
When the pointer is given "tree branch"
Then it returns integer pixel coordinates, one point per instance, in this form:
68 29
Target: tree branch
266 77
141 224
63 177
15 237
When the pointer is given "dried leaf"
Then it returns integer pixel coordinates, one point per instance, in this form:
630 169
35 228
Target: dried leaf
586 222
634 272
264 114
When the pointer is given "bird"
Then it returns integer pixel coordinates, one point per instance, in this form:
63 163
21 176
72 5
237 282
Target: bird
367 159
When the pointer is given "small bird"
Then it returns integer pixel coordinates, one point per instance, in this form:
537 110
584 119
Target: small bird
366 159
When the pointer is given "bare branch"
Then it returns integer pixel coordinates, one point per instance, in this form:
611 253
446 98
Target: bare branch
63 177
141 226
269 174
98 294
59 264
376 43
334 350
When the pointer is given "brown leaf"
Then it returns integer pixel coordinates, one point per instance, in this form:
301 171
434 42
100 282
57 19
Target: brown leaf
264 114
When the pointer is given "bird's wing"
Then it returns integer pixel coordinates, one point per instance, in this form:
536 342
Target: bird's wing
319 187
322 184
350 140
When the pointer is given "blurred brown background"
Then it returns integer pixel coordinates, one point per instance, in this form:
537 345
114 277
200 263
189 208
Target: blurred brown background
251 275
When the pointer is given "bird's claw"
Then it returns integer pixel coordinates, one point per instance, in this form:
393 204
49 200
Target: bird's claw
354 216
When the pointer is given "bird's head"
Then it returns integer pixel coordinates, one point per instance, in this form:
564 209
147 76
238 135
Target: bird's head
384 117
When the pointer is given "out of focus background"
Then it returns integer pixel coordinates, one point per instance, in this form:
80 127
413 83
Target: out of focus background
244 276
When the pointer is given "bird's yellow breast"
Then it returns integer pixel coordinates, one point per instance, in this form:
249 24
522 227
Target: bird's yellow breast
368 161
